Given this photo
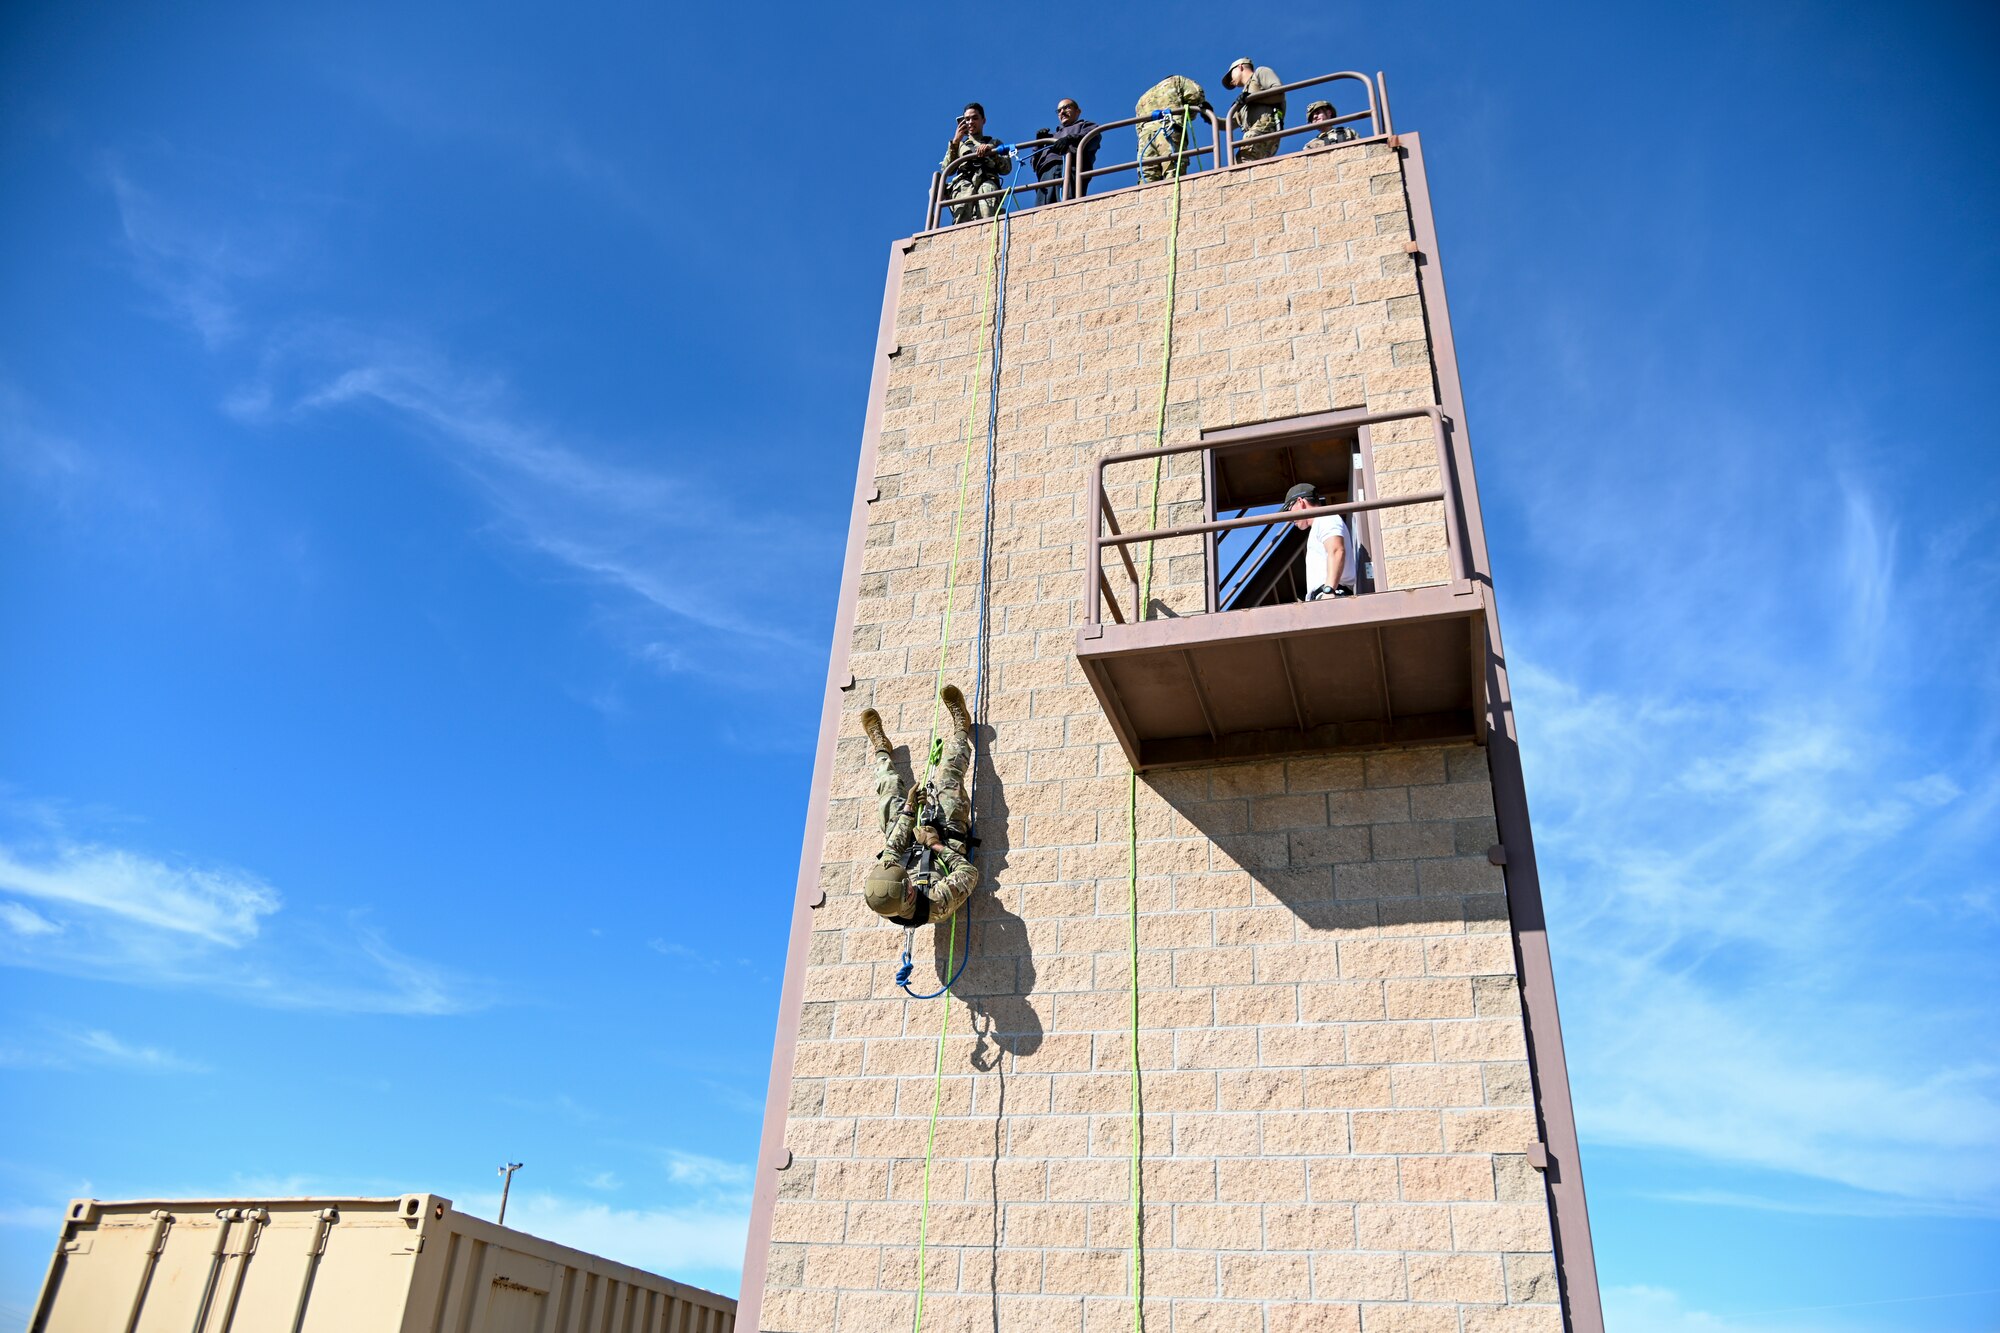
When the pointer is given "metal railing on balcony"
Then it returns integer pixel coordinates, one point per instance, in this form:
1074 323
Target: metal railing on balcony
1102 598
1222 150
1376 114
1010 182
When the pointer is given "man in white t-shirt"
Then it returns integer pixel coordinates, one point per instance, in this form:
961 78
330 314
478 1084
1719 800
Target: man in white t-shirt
1328 546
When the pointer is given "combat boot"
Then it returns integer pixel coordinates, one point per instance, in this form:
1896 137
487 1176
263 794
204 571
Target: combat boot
954 703
871 725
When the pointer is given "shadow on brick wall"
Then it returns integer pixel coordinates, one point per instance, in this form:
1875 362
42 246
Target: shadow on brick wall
1359 844
1000 974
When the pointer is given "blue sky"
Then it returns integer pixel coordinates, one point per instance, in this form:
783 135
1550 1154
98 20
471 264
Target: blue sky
408 689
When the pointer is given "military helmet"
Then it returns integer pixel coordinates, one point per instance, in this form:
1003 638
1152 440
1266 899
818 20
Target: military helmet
887 889
1305 490
1318 107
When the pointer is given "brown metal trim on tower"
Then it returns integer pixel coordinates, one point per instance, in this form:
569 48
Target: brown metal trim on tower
771 1152
1583 1309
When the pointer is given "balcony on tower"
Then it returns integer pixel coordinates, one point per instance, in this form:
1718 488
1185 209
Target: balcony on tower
1199 638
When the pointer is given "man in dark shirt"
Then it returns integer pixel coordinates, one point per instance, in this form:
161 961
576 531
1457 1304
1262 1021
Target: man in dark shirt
1051 160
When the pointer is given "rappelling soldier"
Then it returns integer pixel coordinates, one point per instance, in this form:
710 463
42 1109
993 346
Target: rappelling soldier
974 163
1163 137
925 871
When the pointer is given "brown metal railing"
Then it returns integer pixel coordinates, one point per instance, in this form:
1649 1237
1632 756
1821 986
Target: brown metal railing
1377 114
1098 594
1217 151
1221 151
938 178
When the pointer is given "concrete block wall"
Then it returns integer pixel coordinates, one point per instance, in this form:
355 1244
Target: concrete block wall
1337 1107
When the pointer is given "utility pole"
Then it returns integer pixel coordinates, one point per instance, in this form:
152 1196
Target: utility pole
506 1184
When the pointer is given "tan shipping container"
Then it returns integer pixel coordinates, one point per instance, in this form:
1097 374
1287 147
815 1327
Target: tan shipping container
401 1265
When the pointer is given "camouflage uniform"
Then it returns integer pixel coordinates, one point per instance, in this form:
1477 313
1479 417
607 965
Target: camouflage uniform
974 175
1332 134
1258 111
1160 141
892 891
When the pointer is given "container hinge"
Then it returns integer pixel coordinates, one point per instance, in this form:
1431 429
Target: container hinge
847 682
874 494
819 900
1496 855
909 245
784 1163
1413 250
323 1221
897 350
1538 1156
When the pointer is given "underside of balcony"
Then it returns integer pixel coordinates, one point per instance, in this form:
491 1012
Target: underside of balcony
1385 668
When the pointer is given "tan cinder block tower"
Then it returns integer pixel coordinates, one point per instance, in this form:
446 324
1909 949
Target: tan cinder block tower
1355 1111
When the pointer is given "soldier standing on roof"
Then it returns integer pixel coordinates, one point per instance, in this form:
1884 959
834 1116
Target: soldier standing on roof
1322 114
925 871
973 164
1259 108
1163 137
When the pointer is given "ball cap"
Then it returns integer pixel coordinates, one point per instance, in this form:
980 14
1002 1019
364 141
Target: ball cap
1305 490
1241 62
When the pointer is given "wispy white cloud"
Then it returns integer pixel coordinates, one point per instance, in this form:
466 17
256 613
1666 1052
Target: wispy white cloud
220 905
699 1172
1643 1309
682 551
1764 807
686 579
78 1048
127 916
194 269
700 1241
24 920
681 952
32 449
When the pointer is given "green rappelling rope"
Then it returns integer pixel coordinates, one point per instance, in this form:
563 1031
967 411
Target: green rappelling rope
937 1098
1132 791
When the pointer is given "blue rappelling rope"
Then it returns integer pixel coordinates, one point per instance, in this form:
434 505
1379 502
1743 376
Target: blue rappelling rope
985 581
903 972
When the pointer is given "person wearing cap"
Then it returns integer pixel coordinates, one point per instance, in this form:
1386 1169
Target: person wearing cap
1071 135
1259 108
1322 114
1164 112
1330 558
974 163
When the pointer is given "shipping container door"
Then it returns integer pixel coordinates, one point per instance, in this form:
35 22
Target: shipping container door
107 1270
